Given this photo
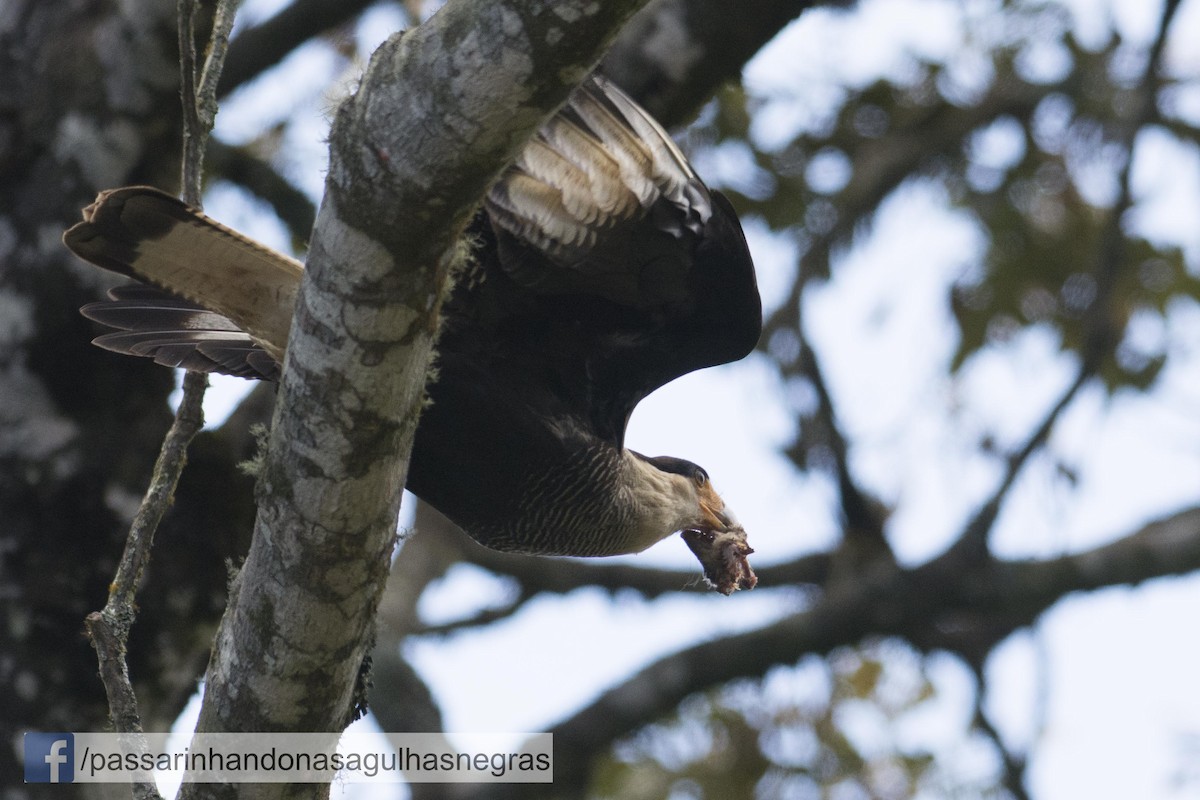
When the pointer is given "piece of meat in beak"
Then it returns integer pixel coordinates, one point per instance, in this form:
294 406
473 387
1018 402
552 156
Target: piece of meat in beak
722 554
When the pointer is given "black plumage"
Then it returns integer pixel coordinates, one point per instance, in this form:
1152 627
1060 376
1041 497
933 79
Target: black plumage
603 269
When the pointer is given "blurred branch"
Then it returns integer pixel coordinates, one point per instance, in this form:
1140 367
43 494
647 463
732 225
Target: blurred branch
541 574
1014 765
1160 548
674 54
881 165
399 698
262 46
487 616
1104 322
972 544
405 704
863 518
922 605
237 165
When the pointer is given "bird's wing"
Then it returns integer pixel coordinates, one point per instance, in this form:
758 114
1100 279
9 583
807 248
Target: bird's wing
149 235
601 201
634 269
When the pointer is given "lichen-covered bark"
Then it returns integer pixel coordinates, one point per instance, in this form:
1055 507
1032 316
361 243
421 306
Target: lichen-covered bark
439 113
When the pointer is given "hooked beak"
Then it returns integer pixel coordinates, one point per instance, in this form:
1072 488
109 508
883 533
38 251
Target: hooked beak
719 542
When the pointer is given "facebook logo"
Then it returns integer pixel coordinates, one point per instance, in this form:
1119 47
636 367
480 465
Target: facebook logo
49 757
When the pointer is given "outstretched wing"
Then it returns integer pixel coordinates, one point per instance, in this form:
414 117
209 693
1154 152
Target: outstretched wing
608 270
606 199
608 262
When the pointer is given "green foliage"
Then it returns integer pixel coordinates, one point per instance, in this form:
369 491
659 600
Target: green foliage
1037 152
1038 157
832 727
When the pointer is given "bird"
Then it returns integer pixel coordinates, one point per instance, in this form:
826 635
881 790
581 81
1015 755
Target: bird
603 268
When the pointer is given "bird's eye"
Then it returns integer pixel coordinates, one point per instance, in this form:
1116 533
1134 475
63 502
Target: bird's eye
699 476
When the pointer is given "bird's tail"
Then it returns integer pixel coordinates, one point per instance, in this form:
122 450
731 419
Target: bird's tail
149 235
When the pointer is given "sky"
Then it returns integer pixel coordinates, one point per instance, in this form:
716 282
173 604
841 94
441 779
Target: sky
1103 685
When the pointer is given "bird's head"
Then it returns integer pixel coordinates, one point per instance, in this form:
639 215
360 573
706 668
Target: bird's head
710 529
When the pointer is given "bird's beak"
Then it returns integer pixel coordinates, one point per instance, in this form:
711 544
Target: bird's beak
717 517
720 545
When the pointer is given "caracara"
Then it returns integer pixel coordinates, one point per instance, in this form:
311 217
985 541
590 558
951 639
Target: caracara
604 268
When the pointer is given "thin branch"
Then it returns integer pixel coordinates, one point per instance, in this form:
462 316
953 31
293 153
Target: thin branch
198 89
1103 321
972 545
862 516
109 629
109 641
188 420
1014 765
487 616
539 574
210 76
194 131
1106 322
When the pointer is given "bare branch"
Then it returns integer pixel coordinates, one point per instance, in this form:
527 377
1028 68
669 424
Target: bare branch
198 87
194 131
109 629
114 622
108 637
214 63
478 620
972 544
923 606
1014 764
540 574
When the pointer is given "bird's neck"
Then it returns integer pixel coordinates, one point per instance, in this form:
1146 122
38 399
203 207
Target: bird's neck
660 503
